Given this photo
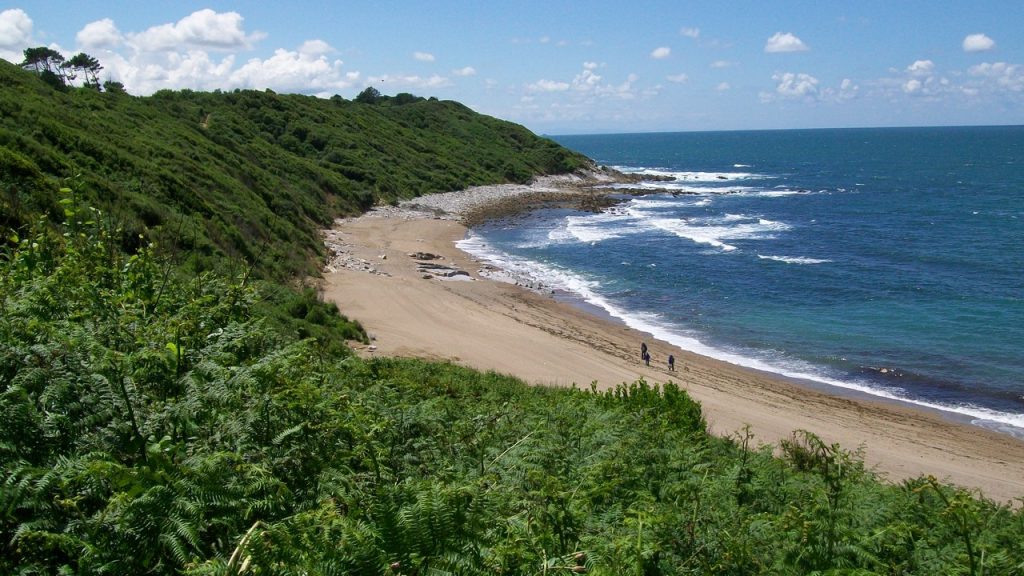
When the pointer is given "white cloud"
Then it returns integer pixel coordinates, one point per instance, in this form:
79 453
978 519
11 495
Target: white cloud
921 68
204 28
146 74
588 87
1000 75
722 64
784 42
586 80
978 43
847 90
15 28
290 70
795 85
912 86
723 87
423 56
623 91
410 82
677 78
548 86
465 71
99 34
316 48
690 32
305 70
15 34
661 53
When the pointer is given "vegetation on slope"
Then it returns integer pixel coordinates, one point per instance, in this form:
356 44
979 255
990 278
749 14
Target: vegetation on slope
251 176
153 424
156 417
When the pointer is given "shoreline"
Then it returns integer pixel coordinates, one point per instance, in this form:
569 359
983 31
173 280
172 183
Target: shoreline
493 325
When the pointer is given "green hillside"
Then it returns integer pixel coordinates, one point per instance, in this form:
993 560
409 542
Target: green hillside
163 413
155 427
248 175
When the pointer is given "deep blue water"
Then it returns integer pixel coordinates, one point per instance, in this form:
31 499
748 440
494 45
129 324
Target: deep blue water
889 261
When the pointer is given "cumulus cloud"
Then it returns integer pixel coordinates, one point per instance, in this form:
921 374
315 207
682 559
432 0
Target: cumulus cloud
921 68
1000 75
677 78
586 80
316 48
690 32
15 28
847 90
722 64
912 86
588 86
548 86
201 29
465 71
723 87
978 43
307 69
784 42
661 53
423 56
99 34
795 85
294 70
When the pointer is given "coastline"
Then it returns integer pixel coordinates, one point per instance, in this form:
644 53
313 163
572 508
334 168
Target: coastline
454 312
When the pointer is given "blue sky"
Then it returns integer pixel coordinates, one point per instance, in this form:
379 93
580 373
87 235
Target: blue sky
561 67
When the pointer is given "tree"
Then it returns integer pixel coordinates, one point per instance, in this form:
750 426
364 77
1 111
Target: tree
42 58
114 87
89 66
48 63
403 98
369 96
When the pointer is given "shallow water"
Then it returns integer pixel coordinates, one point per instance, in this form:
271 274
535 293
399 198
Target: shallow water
889 261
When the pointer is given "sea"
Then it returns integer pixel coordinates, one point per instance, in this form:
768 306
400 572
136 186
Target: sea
887 262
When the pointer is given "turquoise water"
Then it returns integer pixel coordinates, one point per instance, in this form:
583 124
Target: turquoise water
889 261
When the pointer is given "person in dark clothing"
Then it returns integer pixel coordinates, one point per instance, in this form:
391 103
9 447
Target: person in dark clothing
671 363
647 357
643 351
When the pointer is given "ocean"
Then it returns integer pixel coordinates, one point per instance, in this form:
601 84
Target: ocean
887 262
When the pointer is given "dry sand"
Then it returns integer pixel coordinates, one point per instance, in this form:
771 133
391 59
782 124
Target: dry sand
494 325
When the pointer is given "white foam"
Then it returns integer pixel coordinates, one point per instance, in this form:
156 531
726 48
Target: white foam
702 176
599 227
683 187
588 291
657 202
780 193
794 259
716 231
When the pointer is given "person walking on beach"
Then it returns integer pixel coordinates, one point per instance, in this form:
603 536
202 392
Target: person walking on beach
671 363
647 358
643 351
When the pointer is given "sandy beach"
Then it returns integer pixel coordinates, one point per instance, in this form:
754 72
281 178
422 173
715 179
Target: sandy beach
399 273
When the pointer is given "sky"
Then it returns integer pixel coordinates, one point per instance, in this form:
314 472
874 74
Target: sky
560 67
